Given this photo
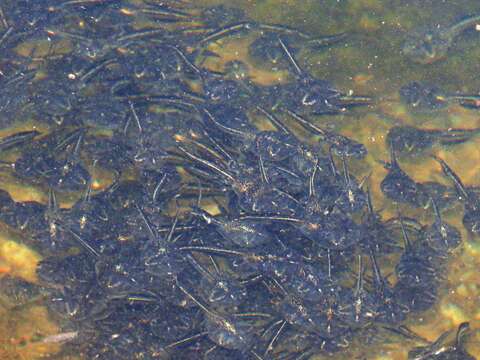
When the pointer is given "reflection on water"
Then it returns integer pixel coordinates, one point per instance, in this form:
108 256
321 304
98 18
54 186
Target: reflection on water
120 119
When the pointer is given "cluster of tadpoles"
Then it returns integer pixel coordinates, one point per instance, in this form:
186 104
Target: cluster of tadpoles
295 262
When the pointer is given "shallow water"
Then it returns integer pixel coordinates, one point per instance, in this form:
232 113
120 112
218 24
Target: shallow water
369 62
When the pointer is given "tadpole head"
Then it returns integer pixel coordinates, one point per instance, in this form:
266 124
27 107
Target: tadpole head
349 148
426 48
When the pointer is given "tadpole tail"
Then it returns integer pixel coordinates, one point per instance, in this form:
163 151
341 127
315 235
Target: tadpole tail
457 136
462 331
436 211
463 25
407 333
5 35
290 57
355 100
393 156
152 234
369 201
275 121
306 124
194 299
211 250
222 127
81 241
376 269
271 218
461 190
406 239
208 164
360 274
328 40
18 139
225 31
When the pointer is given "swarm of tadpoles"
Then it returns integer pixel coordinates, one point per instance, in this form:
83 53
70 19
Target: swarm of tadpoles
294 262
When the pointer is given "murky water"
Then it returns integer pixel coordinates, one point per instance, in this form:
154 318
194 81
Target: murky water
367 60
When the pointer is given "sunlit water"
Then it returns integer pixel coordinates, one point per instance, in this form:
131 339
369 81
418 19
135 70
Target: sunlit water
369 62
